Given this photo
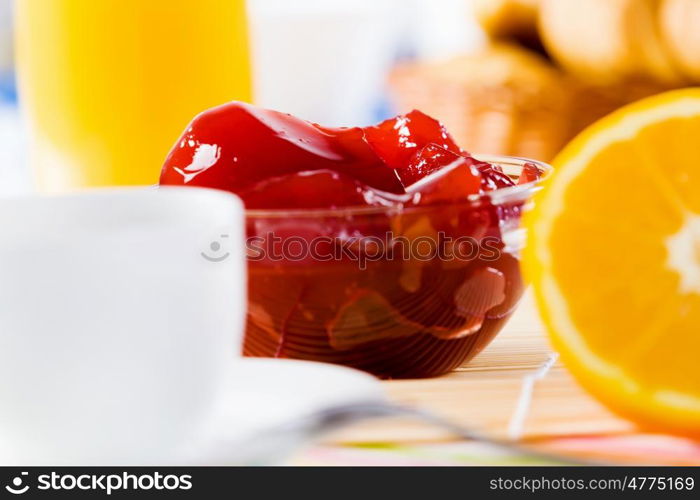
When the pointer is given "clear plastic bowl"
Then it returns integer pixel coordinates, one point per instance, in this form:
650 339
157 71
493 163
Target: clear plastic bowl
400 292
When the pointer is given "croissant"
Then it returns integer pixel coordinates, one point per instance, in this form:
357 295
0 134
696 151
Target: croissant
513 20
610 41
679 23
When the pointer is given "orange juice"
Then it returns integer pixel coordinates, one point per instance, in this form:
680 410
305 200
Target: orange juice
108 85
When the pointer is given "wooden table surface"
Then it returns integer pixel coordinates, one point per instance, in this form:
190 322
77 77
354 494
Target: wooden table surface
561 420
484 395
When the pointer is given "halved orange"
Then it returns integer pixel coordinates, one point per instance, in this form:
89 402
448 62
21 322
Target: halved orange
614 258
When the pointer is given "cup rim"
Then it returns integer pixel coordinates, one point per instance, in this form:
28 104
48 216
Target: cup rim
520 192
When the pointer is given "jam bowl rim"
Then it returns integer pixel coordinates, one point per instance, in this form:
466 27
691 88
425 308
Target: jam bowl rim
502 196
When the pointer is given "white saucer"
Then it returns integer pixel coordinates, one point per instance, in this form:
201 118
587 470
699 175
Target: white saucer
270 408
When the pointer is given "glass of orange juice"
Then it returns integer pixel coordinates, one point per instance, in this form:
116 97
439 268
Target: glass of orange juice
108 85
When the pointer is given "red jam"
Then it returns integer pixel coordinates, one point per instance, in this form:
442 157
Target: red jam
407 277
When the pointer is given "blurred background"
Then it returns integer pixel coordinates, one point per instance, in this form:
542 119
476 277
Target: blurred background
517 77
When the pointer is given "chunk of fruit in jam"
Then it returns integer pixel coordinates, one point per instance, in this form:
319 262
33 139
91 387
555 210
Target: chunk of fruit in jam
236 145
492 176
449 183
311 189
398 139
530 173
426 161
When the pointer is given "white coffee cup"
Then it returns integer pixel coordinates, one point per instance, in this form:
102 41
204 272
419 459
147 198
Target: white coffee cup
121 313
